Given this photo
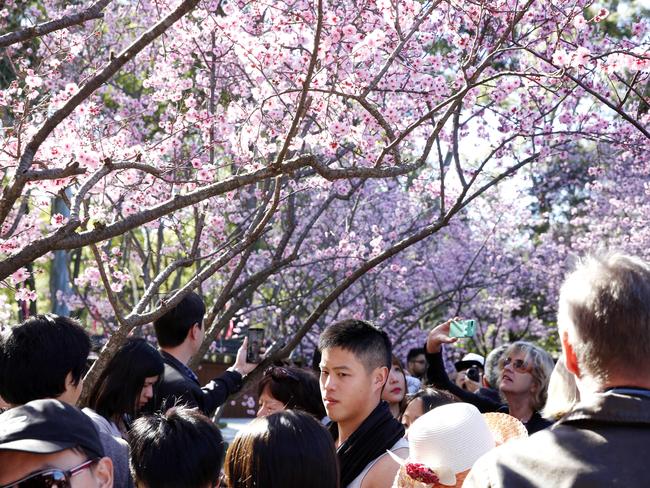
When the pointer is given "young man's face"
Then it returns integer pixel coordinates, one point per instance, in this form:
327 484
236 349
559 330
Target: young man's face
348 390
17 465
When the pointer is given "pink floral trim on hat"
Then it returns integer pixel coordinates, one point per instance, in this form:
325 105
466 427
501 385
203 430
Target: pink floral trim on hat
419 472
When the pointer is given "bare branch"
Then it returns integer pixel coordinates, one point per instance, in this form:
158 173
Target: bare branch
56 173
107 284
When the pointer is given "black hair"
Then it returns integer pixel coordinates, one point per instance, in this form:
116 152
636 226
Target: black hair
413 353
315 361
173 327
432 398
180 448
369 344
37 355
288 449
118 388
295 388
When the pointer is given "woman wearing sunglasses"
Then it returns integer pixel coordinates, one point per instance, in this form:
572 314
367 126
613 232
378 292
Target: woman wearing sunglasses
285 388
126 385
523 379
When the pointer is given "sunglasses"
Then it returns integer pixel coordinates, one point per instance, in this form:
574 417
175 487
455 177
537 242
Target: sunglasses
51 478
279 373
519 365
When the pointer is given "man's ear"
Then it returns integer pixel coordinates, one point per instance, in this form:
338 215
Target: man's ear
194 330
103 473
380 376
569 354
484 382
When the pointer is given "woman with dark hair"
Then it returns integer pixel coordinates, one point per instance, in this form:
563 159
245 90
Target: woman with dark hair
124 387
395 389
284 388
424 401
288 449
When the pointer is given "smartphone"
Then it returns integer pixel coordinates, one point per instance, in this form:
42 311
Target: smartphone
462 328
255 343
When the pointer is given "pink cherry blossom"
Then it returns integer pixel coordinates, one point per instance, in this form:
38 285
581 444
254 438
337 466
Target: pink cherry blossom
19 276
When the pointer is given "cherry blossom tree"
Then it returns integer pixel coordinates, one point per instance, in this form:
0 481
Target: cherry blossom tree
298 162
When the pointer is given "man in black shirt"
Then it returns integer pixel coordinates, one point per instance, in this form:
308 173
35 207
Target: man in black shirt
180 333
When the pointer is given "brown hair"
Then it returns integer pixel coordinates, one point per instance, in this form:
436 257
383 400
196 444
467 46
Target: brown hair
287 449
404 401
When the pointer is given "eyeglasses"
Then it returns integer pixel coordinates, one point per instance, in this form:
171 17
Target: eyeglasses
279 373
519 365
51 478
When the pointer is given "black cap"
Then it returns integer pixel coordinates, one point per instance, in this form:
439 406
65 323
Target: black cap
48 426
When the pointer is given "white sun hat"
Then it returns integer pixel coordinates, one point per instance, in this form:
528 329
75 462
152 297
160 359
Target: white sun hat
449 439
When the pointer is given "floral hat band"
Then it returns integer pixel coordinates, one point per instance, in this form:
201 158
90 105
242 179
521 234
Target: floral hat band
419 473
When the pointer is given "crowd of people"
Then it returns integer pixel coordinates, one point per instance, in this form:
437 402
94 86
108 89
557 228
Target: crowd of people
515 418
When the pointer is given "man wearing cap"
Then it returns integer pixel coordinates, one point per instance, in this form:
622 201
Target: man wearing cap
470 372
604 329
47 443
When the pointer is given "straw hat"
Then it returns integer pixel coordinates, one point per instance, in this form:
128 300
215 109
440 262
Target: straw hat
445 442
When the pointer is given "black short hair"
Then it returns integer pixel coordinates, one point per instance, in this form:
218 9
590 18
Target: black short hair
180 448
432 398
370 344
118 388
173 327
413 353
37 355
295 388
288 449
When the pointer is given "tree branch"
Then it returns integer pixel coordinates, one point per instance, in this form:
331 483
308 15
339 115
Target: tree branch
91 13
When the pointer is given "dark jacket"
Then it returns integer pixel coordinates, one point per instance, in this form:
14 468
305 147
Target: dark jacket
176 387
490 393
437 377
602 442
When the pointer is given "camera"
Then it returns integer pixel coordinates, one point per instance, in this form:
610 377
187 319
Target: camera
473 374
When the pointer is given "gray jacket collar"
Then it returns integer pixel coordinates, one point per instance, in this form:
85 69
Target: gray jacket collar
610 407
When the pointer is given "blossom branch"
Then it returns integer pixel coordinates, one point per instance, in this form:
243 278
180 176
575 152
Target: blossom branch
305 89
91 13
12 192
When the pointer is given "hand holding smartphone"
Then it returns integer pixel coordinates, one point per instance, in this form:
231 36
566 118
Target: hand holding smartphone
255 343
462 328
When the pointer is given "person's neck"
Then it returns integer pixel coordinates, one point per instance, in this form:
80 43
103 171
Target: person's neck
519 407
625 382
587 385
347 427
394 409
183 352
